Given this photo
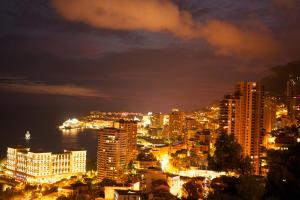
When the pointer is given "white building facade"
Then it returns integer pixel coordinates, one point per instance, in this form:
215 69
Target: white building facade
44 167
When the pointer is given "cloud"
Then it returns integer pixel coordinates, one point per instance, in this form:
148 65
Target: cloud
229 39
285 4
150 15
165 16
57 90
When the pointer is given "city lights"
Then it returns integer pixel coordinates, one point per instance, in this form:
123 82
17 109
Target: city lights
44 167
149 99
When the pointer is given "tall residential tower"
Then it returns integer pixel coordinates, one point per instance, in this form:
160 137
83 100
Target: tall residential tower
111 153
242 114
176 125
293 97
130 128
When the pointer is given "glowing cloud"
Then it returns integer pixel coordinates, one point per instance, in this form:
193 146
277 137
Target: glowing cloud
229 39
164 15
150 15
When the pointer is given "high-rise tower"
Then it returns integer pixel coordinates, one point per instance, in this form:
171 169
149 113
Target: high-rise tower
228 108
130 128
111 153
242 114
269 114
176 125
249 120
293 97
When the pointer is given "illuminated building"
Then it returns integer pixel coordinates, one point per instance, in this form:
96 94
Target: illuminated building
139 164
281 110
199 146
113 116
269 114
109 191
111 153
202 142
157 120
243 116
44 167
176 125
293 97
175 184
269 141
191 134
152 174
166 119
189 140
228 113
130 128
98 124
284 142
249 120
208 119
190 125
147 119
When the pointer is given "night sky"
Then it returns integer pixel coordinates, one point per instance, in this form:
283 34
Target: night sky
139 55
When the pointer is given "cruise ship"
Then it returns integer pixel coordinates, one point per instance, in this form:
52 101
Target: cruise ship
72 124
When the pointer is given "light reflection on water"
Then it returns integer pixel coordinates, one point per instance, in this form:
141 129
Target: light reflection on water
70 139
58 141
43 126
78 138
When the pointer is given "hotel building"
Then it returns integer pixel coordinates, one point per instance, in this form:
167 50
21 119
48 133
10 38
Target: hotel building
44 167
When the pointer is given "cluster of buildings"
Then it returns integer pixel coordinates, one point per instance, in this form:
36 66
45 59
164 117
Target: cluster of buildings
97 120
251 116
179 142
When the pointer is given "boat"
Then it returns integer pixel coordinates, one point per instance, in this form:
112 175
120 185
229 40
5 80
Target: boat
27 135
71 124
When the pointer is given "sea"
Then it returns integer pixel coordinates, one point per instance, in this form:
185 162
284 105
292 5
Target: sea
42 123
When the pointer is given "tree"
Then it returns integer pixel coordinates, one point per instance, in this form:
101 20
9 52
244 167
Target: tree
244 187
130 167
245 166
107 182
193 190
251 187
228 156
224 187
283 179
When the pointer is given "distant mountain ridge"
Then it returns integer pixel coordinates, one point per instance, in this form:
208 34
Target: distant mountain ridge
275 82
